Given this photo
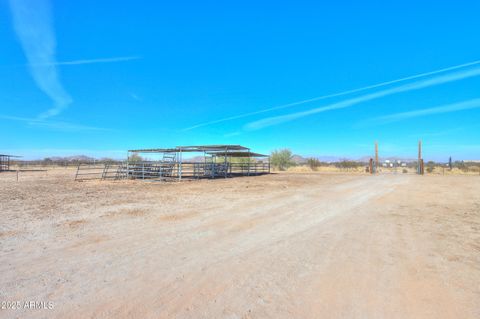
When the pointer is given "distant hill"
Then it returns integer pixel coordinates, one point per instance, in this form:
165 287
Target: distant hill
329 159
80 158
390 158
297 159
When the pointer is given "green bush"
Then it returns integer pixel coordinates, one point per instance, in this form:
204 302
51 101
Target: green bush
282 159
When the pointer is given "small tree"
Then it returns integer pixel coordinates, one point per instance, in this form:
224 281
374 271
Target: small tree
282 159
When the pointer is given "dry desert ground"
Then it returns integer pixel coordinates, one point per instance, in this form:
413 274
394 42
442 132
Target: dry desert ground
287 245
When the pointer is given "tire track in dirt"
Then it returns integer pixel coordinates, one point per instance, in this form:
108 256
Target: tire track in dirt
277 246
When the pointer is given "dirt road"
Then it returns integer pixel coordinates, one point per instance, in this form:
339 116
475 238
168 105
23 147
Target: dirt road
278 246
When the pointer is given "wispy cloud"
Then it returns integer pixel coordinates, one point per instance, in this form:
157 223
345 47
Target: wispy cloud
233 134
438 133
454 107
66 126
135 97
33 24
53 125
437 80
91 61
344 93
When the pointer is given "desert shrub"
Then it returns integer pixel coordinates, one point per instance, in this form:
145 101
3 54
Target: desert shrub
461 166
313 163
404 171
282 159
430 166
475 168
348 164
470 166
413 164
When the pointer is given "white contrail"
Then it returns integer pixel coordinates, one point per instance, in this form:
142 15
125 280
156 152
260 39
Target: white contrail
92 61
32 21
55 125
323 97
33 24
367 97
454 107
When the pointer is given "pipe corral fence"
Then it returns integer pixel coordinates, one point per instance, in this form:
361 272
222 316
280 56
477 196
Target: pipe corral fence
5 161
215 161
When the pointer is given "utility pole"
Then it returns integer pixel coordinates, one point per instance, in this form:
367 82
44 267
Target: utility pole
376 156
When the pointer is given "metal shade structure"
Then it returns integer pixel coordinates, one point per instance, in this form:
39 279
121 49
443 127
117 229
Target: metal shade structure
195 148
218 161
238 154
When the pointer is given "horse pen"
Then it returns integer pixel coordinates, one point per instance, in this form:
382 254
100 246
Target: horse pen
216 161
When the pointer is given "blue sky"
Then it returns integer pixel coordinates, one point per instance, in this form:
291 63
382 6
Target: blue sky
101 77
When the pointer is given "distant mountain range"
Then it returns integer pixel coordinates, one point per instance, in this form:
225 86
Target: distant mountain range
297 159
75 158
390 158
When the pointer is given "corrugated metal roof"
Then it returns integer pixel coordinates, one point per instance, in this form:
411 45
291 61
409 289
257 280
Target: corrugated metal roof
193 148
238 154
9 155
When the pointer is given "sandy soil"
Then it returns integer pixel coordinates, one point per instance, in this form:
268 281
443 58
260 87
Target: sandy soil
278 246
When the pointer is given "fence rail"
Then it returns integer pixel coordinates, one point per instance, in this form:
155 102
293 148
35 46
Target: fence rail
164 170
89 172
